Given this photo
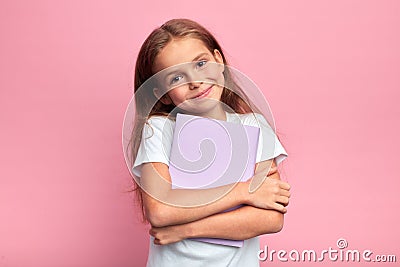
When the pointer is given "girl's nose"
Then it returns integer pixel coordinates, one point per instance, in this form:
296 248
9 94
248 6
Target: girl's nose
194 85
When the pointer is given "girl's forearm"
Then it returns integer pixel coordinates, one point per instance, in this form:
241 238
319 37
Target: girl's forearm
181 206
243 223
165 206
240 224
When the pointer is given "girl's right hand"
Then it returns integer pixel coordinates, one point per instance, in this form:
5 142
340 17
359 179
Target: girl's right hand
266 191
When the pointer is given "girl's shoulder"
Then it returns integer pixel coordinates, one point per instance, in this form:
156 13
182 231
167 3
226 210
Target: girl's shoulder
251 119
159 120
158 124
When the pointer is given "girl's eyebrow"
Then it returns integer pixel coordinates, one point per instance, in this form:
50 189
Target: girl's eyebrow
199 56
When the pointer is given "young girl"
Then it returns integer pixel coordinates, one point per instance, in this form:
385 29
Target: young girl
176 215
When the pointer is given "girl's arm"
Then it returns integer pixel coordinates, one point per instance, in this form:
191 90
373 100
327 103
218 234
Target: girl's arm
240 224
163 205
243 223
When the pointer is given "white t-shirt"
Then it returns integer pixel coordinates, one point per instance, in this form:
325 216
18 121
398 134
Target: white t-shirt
155 146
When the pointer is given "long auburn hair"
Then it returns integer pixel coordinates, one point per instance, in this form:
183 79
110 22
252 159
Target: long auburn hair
234 97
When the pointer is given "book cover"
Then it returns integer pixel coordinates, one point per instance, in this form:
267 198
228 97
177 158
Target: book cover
207 153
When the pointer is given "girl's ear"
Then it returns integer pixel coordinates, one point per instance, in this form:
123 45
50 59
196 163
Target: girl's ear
164 98
218 56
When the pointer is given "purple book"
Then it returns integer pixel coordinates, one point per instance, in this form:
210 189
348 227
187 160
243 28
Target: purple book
207 153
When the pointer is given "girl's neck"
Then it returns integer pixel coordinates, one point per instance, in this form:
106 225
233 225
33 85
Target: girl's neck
217 113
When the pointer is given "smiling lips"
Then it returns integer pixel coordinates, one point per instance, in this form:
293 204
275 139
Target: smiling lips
204 93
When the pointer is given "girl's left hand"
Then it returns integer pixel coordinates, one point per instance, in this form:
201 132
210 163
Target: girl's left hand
168 234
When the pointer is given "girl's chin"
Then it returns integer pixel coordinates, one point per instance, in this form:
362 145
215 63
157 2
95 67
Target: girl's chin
201 106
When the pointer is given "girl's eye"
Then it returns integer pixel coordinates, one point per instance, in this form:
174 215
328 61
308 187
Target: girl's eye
201 63
176 79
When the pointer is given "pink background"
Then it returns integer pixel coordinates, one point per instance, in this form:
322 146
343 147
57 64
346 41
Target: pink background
329 69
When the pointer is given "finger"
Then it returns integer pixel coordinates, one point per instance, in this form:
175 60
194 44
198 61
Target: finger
282 200
284 185
285 193
279 207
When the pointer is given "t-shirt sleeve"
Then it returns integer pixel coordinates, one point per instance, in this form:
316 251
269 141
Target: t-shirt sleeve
155 145
269 146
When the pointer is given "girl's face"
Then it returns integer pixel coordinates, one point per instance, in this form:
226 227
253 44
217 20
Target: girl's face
191 75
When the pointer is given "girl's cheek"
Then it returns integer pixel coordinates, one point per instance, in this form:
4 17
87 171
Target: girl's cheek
178 94
176 98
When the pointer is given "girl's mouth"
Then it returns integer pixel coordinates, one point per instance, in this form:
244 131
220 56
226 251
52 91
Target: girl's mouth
204 93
